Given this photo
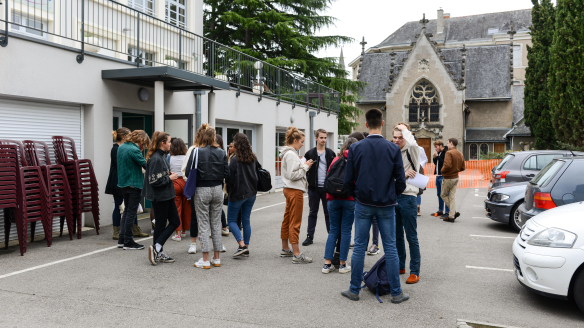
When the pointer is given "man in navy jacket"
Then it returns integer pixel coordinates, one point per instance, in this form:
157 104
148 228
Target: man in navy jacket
375 176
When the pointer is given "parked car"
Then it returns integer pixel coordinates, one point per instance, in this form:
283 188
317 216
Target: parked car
561 182
524 165
548 254
502 203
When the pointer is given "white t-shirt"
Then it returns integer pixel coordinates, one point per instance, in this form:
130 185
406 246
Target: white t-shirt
176 164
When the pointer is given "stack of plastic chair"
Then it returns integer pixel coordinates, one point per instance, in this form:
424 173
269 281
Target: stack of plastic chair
81 177
32 198
55 177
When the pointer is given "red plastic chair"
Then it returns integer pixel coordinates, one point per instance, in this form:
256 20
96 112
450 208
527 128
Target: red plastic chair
9 189
55 177
32 198
81 177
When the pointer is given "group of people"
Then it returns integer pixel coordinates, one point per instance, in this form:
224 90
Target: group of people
374 171
162 176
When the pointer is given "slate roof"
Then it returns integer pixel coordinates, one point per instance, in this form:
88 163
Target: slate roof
520 130
487 67
486 135
375 71
518 102
466 28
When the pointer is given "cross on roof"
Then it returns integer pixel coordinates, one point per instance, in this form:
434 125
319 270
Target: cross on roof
424 21
363 43
512 31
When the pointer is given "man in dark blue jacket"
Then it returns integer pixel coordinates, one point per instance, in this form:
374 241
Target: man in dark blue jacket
375 176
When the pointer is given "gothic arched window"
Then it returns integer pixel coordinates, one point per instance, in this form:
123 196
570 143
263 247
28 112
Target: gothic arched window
474 151
424 103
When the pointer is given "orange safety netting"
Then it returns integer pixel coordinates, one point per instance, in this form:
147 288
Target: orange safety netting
477 174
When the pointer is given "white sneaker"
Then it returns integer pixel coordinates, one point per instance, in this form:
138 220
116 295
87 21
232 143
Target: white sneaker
223 250
216 262
176 237
193 248
344 268
183 234
225 232
202 264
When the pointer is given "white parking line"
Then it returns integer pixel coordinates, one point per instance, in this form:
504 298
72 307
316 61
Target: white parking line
94 252
64 260
484 268
482 236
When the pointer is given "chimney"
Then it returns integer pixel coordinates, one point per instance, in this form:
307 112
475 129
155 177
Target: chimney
440 21
446 15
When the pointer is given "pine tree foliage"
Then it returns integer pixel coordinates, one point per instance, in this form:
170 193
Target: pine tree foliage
537 110
283 33
566 82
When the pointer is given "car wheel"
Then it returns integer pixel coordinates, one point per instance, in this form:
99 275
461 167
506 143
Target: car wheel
578 290
514 220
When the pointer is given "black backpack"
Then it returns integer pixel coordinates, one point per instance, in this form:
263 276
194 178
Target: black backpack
264 178
334 181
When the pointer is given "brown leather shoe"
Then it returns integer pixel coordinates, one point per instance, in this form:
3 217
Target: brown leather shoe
402 271
412 279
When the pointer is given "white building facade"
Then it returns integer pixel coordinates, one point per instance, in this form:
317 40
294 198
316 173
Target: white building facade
83 70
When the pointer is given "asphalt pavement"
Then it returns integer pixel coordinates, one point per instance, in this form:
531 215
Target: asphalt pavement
466 273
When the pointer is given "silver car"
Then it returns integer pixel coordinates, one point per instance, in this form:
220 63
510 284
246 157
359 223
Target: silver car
502 204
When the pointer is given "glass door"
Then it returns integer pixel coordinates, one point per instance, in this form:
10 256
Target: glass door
228 131
180 126
280 142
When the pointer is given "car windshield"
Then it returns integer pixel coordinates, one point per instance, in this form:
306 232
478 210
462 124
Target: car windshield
548 172
505 160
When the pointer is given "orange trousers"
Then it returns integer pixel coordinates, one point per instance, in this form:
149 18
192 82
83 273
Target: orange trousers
183 205
292 215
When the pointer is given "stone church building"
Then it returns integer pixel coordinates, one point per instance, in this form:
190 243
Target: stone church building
460 77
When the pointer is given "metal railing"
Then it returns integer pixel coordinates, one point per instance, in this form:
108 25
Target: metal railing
117 30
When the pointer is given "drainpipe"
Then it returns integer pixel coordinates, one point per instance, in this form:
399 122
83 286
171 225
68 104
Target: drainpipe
198 94
312 141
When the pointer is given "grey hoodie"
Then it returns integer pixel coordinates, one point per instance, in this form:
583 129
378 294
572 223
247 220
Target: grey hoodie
293 170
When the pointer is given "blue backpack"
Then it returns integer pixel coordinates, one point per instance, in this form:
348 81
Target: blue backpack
376 279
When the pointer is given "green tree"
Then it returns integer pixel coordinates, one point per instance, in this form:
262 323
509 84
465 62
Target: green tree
283 33
566 82
537 109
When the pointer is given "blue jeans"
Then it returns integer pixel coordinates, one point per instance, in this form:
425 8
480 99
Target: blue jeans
341 217
419 200
406 215
386 221
438 191
232 209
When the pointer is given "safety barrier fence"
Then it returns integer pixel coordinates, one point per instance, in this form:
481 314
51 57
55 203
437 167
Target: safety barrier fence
477 174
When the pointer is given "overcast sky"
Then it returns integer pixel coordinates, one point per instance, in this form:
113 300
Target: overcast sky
377 19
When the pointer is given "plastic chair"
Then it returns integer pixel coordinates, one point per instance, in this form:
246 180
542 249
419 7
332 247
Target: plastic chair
55 178
81 177
32 198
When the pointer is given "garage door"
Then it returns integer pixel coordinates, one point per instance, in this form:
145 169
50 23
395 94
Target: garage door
22 120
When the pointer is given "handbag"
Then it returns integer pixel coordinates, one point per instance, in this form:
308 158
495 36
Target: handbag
191 184
264 178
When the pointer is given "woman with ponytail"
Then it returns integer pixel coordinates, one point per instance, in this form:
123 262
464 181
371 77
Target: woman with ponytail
294 178
212 170
159 189
111 187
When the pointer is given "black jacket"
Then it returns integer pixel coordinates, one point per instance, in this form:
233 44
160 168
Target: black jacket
312 174
374 173
157 184
111 187
242 182
439 160
212 167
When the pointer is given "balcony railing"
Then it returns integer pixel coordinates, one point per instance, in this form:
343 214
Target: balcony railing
117 30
